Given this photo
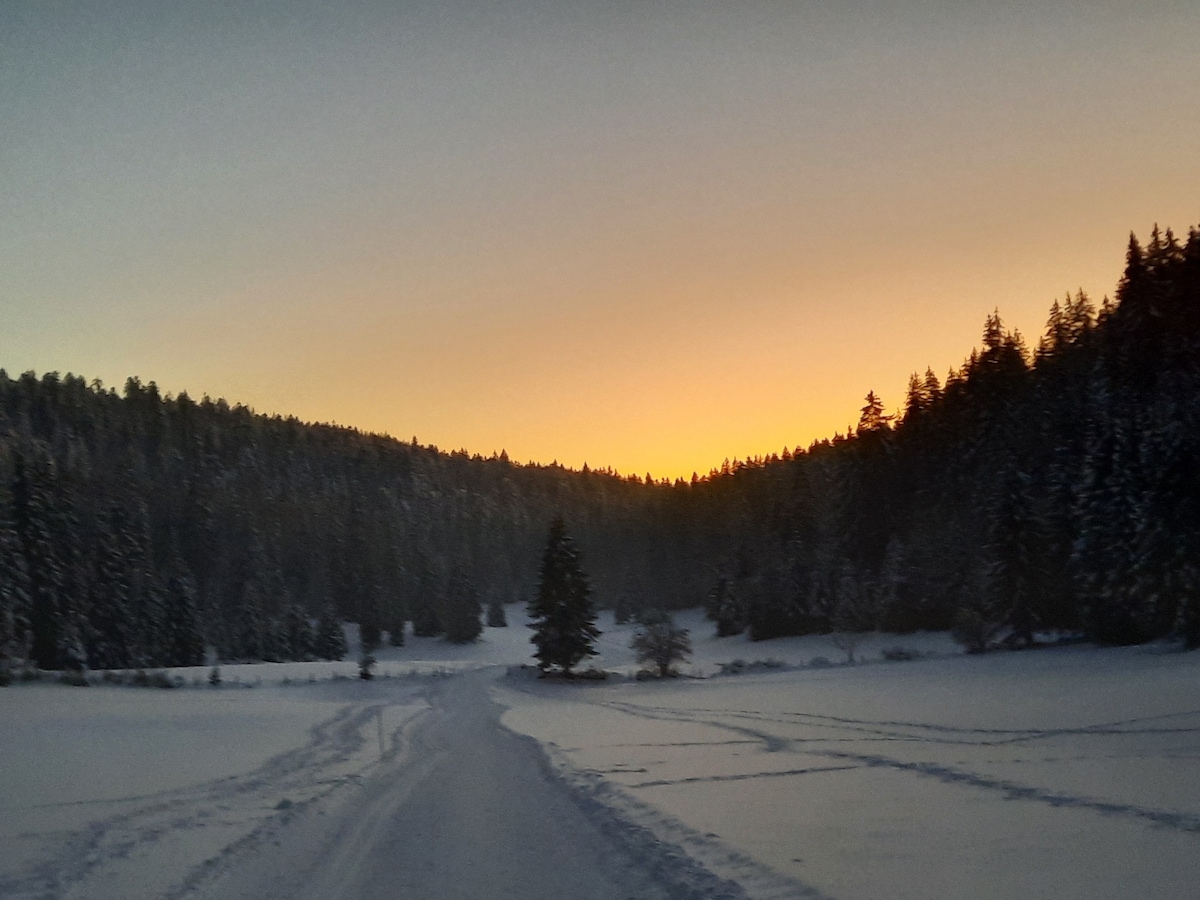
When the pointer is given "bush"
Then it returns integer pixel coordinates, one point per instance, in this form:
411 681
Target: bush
659 642
847 642
975 631
589 674
738 666
157 679
366 667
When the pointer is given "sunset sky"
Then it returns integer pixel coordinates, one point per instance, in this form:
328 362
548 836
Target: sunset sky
649 235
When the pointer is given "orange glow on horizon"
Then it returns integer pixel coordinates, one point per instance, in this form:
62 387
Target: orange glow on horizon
643 239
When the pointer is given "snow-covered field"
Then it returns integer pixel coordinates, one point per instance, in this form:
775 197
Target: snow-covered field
1071 772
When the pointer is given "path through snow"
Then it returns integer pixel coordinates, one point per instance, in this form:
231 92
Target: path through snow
469 810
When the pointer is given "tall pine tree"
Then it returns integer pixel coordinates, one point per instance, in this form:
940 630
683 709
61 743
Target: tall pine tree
564 622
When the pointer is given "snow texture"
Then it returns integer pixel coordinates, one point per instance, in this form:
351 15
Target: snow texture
1056 773
1061 773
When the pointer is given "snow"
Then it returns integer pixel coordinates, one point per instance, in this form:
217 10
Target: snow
1072 772
123 792
1066 772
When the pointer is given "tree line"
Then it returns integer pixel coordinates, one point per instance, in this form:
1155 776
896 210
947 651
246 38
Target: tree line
137 529
1047 489
1033 489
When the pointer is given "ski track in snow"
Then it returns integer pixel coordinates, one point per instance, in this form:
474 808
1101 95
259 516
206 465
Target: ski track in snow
243 810
365 805
359 812
912 733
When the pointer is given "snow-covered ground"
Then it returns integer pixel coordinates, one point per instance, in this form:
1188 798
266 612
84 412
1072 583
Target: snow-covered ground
1071 772
110 792
1064 773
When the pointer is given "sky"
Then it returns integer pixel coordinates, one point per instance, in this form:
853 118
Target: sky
646 235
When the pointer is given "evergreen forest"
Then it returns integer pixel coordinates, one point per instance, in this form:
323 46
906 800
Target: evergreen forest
1034 489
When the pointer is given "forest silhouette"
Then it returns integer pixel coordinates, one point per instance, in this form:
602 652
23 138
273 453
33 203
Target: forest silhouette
1046 489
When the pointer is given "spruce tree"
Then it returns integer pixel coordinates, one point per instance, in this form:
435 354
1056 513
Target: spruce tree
301 638
496 617
184 643
33 516
250 638
110 619
1014 549
14 601
330 639
460 612
563 619
370 631
724 607
148 603
426 621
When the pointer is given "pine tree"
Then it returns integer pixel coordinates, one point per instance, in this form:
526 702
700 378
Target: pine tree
330 639
1014 551
34 516
871 417
300 635
496 617
395 630
147 599
425 621
110 619
250 624
916 400
725 608
1103 557
461 612
370 630
14 601
184 643
563 619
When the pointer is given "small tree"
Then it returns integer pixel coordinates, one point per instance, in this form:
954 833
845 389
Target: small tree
395 632
425 620
856 611
563 619
978 623
366 667
659 642
623 609
725 607
370 635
